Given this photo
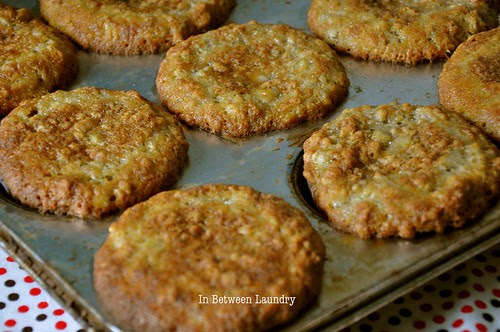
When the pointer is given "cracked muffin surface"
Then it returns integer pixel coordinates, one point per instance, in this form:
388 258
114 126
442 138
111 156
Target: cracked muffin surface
89 152
165 255
402 31
469 83
34 58
400 169
248 79
134 26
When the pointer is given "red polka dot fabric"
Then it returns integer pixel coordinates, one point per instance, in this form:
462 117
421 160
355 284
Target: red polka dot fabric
464 299
25 306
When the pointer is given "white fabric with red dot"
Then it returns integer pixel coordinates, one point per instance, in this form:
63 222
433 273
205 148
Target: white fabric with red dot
465 299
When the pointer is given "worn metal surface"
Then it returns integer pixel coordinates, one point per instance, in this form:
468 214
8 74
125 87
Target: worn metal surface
359 274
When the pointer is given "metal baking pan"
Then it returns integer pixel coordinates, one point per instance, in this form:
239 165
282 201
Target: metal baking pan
360 275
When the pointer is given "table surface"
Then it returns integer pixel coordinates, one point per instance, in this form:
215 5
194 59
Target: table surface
466 298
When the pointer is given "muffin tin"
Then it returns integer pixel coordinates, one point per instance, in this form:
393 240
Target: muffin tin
359 276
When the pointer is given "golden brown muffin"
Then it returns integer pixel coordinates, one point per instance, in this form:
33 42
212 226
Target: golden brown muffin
247 79
403 31
34 58
89 152
184 258
470 82
133 26
396 170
